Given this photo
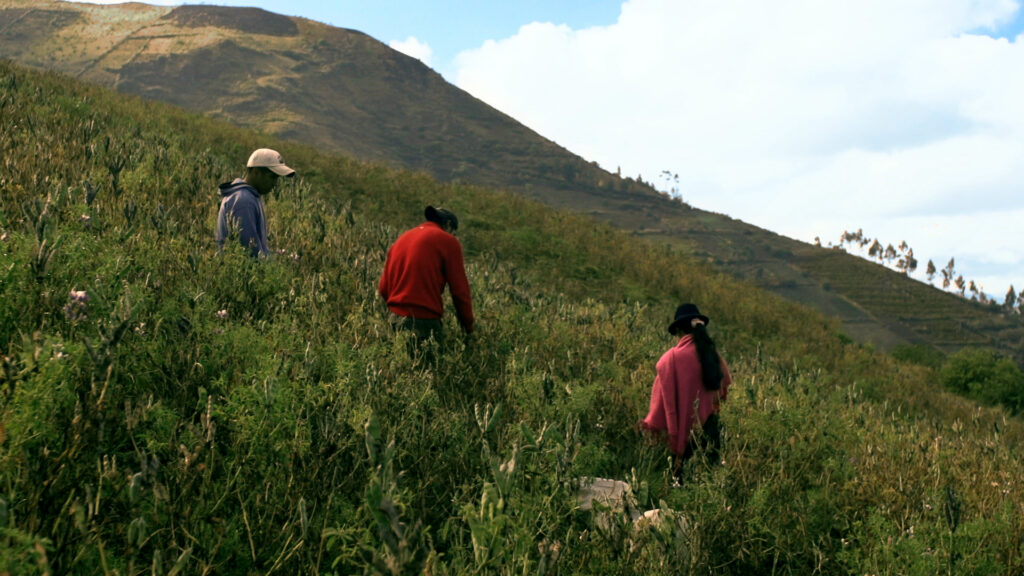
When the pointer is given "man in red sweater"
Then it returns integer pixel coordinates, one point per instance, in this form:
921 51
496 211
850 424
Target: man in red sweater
419 265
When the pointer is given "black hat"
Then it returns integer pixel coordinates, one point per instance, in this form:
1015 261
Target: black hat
441 216
684 314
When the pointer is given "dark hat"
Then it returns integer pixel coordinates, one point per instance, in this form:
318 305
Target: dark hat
684 314
441 216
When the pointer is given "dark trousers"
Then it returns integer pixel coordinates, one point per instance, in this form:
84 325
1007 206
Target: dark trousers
709 441
423 328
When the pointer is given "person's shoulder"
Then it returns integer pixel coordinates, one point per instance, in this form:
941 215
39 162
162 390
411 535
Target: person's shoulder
681 349
439 234
236 185
668 355
244 194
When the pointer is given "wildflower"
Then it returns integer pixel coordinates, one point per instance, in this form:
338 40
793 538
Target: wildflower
3 236
85 219
75 309
222 314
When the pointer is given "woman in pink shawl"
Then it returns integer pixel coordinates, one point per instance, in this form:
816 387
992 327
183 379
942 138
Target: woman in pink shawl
692 380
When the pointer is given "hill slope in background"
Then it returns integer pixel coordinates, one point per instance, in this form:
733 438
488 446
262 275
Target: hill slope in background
341 90
168 408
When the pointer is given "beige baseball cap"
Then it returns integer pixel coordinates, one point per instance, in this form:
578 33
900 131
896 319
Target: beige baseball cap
267 158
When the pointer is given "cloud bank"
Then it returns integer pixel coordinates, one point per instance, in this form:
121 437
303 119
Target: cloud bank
901 117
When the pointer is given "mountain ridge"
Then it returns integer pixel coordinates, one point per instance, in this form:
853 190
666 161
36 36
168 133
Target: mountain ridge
344 91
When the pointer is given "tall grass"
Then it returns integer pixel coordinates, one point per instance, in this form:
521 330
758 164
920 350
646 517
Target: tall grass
167 409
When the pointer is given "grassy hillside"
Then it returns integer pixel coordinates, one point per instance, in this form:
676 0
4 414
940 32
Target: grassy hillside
343 91
199 413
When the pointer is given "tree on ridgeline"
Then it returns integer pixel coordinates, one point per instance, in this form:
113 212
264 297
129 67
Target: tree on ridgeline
890 254
947 274
1020 302
1010 302
902 259
876 251
907 263
671 182
852 238
961 284
983 297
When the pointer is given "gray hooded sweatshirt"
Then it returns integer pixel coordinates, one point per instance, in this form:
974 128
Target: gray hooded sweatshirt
242 204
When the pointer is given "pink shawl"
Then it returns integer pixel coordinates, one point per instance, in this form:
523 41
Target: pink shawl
679 397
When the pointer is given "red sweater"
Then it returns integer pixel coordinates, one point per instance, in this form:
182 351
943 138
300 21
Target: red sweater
679 401
419 265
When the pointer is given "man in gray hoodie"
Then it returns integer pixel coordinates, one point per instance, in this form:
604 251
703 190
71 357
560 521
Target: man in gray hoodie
241 204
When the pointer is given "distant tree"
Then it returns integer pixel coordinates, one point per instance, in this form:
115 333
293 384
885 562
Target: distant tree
961 284
862 240
852 238
876 251
947 274
1010 302
973 288
906 263
1020 302
930 271
890 253
910 260
671 181
817 241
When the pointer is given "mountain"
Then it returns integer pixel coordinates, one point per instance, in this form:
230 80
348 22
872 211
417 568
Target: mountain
344 91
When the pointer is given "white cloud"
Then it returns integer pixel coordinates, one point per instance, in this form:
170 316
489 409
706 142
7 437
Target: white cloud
411 46
807 118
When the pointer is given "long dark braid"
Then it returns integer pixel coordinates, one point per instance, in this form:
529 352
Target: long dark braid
707 353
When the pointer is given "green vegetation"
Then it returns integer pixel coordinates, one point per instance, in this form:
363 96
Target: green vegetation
346 92
918 354
986 377
168 410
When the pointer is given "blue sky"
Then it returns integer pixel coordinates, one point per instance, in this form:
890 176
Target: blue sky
446 26
904 118
451 26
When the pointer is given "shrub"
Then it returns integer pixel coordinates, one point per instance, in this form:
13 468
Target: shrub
985 376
